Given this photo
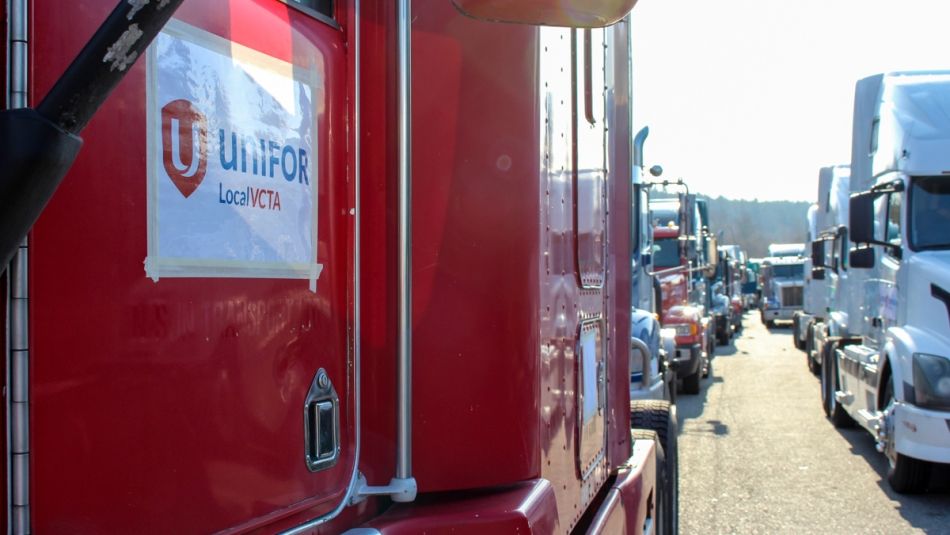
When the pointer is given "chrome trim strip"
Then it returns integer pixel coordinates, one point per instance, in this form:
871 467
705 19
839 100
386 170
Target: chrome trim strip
402 487
18 303
404 421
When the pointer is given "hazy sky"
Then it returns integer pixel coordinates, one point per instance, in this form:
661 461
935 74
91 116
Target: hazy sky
748 98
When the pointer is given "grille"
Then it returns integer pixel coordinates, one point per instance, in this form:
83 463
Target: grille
792 297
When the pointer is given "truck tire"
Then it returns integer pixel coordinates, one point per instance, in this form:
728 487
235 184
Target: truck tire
829 385
796 320
905 475
770 324
813 366
658 418
691 383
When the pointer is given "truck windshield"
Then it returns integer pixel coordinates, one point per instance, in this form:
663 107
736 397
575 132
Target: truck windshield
788 271
666 253
930 213
664 214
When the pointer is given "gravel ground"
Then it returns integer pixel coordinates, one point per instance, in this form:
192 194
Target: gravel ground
758 456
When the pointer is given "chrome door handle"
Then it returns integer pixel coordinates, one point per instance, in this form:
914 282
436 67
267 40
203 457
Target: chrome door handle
321 416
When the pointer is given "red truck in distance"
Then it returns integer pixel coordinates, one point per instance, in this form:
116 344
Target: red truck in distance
683 302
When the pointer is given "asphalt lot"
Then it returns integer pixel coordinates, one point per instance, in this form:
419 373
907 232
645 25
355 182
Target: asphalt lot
758 456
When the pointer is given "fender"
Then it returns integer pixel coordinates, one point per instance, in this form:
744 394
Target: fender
899 346
837 323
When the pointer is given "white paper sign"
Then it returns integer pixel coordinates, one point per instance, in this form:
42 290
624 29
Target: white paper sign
232 160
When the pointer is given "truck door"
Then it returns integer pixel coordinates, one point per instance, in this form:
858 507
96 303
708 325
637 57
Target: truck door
191 279
881 288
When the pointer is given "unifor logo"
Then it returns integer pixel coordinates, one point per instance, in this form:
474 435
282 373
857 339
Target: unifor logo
184 145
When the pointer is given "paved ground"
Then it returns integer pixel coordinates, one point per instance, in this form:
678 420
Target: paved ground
758 456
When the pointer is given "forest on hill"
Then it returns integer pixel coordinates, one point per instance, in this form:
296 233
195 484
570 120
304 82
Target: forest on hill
753 225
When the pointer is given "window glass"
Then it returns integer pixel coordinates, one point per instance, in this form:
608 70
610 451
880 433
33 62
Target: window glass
875 129
666 253
665 214
929 213
894 219
590 163
880 216
843 243
320 7
788 271
646 230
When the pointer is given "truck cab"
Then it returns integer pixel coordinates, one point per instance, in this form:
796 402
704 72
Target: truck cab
783 280
826 266
892 376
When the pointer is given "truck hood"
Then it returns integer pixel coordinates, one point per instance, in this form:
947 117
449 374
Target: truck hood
928 295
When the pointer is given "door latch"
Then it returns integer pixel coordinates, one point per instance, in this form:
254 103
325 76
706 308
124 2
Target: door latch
321 416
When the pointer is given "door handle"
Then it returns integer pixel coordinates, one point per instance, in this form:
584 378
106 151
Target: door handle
321 416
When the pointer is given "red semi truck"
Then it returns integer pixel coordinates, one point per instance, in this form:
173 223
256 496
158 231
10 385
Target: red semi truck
327 265
677 259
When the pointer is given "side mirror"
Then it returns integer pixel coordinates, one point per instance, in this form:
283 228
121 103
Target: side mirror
586 14
646 259
861 218
818 273
818 253
862 258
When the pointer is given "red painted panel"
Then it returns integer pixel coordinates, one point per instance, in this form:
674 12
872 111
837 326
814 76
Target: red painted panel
474 253
178 403
637 485
619 253
526 507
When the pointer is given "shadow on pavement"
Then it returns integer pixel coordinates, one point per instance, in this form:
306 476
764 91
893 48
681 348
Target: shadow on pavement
929 511
691 406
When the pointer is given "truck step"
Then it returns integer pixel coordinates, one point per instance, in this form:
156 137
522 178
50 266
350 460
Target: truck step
844 398
868 420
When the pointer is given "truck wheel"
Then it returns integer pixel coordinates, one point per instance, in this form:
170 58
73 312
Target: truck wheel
671 386
829 385
691 383
659 419
796 320
813 366
906 475
769 324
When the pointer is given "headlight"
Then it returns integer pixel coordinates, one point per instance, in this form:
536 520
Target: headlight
932 381
685 329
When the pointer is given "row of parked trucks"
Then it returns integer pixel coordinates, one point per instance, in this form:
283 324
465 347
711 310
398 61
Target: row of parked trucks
699 283
345 266
876 322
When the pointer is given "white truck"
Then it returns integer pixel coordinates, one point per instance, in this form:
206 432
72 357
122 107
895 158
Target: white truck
783 278
827 220
891 373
